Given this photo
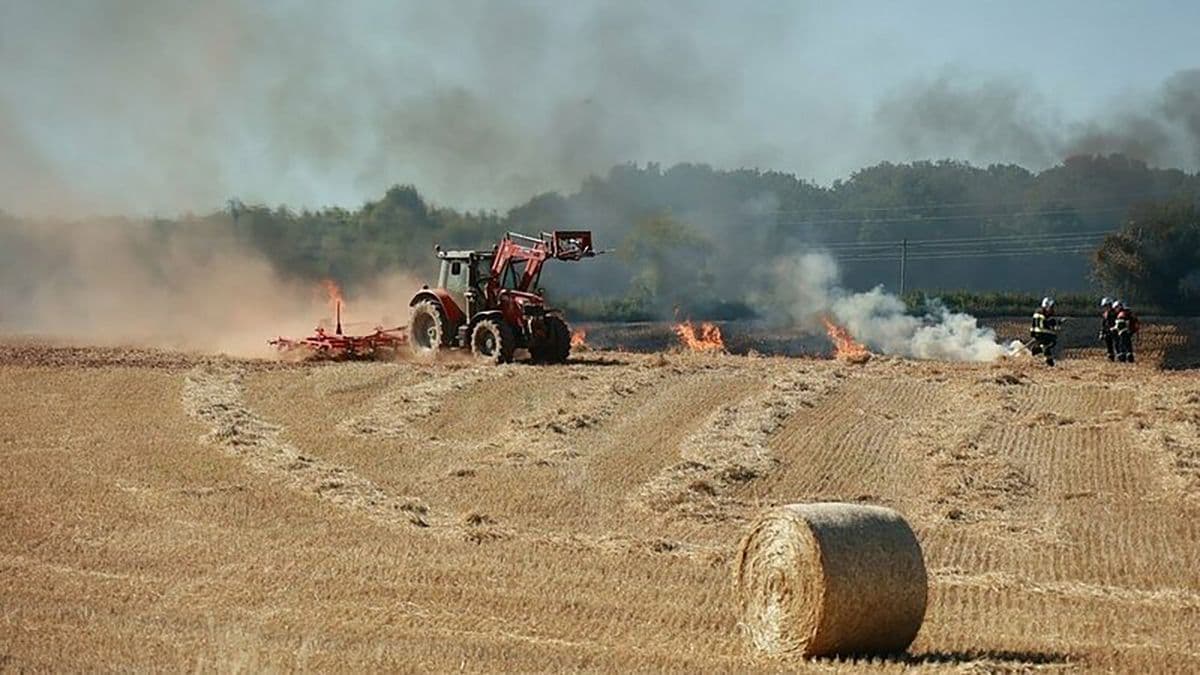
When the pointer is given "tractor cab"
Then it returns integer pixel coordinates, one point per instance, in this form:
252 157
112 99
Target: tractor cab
464 276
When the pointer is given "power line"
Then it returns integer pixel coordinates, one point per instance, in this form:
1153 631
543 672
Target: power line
1034 243
982 253
1016 246
977 246
1033 237
949 205
943 218
953 252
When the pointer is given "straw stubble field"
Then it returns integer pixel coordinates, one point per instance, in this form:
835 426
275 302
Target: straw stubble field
181 512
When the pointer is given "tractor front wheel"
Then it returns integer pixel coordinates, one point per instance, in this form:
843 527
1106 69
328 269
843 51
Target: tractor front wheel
556 346
493 341
426 329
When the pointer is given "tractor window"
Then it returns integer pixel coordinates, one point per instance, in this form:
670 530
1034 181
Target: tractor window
483 269
512 275
480 271
456 278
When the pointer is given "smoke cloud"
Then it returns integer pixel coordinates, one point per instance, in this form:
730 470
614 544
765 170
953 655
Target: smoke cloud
808 287
1005 120
156 108
160 107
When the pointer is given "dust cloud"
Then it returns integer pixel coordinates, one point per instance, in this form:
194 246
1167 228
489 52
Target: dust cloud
127 283
808 286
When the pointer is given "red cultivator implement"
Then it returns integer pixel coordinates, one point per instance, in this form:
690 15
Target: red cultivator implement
383 343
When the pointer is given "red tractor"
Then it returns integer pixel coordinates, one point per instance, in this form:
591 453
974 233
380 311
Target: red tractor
489 301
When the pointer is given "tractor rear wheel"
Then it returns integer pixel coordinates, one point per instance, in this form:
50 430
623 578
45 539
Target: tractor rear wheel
557 345
493 341
427 333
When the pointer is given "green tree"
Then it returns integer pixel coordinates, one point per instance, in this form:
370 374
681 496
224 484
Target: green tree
1155 257
669 260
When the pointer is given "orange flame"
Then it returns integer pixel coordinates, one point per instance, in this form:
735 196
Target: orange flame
703 338
333 293
845 347
579 339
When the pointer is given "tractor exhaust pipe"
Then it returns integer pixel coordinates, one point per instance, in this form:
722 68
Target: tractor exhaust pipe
339 318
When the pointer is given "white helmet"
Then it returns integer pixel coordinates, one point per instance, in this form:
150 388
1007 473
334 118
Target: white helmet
1047 302
1106 301
1117 304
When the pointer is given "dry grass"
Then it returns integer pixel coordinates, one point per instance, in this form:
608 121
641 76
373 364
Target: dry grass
163 511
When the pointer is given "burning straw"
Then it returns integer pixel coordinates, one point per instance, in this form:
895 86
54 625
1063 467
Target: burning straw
845 347
703 338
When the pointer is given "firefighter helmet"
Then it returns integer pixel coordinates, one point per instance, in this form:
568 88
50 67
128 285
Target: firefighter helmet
1105 301
1047 302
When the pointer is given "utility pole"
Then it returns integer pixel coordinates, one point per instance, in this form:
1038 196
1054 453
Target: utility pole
903 262
235 209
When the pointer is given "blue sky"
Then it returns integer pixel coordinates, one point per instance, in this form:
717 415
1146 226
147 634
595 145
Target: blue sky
158 107
1081 54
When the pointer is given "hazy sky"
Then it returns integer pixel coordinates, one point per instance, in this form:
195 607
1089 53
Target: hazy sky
158 107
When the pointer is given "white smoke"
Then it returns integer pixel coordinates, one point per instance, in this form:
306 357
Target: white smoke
809 286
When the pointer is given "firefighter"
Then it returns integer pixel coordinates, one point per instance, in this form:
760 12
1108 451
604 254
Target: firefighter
1044 331
1125 325
1108 336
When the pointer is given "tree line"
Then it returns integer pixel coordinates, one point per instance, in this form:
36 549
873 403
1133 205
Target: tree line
691 238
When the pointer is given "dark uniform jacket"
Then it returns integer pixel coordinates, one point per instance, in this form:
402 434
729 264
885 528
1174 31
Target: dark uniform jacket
1044 324
1107 319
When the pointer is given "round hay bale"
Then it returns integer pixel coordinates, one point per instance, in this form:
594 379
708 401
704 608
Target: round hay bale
829 578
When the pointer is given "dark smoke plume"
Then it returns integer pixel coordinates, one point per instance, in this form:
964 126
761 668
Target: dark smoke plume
142 107
161 107
1002 120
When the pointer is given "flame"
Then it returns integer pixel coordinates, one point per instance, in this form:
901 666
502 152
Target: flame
845 347
703 338
333 293
579 339
333 296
